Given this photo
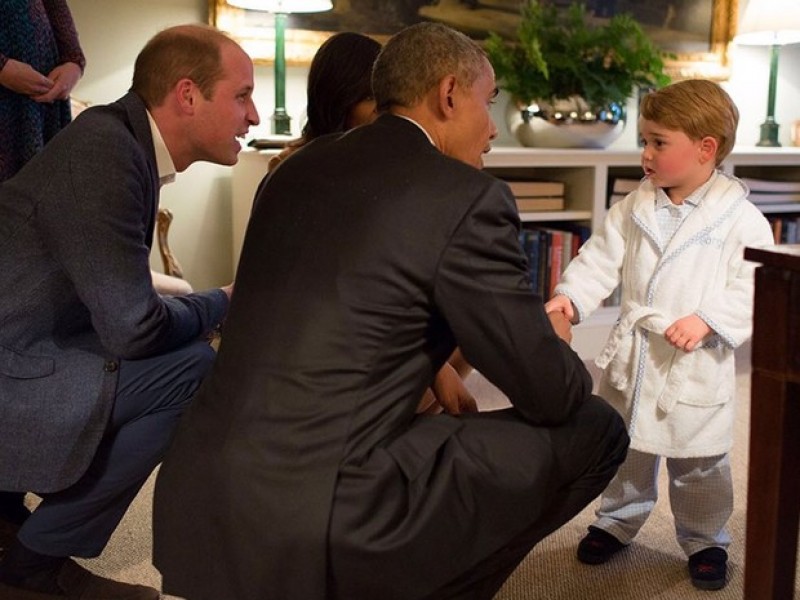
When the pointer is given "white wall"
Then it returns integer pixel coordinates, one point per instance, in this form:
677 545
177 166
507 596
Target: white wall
113 31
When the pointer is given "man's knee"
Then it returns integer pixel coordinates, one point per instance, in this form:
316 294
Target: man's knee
608 430
187 368
199 358
594 439
196 362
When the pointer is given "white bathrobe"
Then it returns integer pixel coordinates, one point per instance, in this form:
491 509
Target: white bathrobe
676 404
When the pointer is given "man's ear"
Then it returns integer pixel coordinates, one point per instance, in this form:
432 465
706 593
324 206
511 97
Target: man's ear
447 88
186 94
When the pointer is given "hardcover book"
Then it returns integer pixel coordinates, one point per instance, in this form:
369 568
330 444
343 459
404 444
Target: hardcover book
540 203
529 188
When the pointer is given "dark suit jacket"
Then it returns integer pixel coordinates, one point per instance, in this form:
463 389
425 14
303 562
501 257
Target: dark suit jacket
368 257
76 225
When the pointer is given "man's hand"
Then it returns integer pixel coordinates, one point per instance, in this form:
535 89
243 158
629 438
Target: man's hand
429 405
687 332
459 363
448 394
228 289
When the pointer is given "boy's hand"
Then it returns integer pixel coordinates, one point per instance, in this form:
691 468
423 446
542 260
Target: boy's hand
687 332
561 325
562 304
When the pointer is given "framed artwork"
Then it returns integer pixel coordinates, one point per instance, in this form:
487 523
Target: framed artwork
696 33
255 31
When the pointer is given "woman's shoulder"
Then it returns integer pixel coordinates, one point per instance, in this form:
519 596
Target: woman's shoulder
285 153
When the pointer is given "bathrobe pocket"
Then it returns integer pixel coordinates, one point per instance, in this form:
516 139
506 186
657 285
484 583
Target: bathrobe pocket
710 377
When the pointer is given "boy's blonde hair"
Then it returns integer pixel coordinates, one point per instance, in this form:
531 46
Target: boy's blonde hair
698 108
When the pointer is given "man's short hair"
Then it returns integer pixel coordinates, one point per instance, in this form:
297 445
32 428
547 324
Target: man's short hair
417 58
698 108
185 51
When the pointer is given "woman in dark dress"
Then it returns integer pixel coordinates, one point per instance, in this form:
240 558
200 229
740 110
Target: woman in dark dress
40 62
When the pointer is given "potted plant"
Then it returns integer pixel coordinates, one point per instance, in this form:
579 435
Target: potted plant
568 73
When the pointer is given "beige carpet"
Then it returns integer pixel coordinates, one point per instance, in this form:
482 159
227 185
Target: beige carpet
652 568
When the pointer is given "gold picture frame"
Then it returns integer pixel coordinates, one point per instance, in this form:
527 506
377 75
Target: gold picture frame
255 31
715 63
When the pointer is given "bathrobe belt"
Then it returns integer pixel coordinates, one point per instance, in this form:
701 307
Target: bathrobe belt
646 318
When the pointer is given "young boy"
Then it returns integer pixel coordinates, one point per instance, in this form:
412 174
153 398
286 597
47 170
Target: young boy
675 245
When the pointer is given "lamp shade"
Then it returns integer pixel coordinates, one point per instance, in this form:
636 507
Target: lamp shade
283 6
770 22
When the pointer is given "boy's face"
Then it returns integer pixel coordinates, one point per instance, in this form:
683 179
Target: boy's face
674 161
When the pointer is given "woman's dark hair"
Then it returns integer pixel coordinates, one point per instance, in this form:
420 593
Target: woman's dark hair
339 78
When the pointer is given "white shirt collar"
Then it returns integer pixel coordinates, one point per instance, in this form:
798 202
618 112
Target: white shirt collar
427 135
164 164
693 199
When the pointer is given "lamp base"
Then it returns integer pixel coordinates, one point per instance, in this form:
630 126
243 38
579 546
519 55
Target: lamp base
281 122
769 134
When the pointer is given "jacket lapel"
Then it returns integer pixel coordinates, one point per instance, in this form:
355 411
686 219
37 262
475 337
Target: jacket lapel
140 127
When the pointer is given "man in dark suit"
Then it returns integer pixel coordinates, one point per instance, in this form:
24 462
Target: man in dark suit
95 366
301 471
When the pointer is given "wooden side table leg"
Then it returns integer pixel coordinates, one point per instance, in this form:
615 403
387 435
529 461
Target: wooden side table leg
773 489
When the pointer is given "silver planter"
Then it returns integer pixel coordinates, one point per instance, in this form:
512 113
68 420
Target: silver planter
567 123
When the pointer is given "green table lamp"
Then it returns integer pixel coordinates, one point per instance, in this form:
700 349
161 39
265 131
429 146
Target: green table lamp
772 23
281 8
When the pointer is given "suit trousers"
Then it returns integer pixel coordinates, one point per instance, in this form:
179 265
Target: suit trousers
587 450
700 494
152 393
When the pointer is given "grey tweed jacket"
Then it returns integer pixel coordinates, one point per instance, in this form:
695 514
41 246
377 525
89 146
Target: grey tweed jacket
76 226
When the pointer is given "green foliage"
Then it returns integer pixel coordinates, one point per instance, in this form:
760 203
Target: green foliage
560 54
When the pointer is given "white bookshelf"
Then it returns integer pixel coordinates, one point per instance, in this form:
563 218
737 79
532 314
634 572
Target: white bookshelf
586 173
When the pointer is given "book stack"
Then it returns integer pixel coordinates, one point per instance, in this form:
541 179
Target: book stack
534 196
770 191
549 250
621 187
769 195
